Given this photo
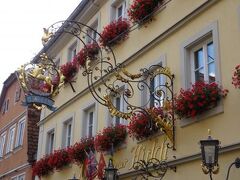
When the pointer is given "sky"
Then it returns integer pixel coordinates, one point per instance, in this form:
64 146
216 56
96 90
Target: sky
21 29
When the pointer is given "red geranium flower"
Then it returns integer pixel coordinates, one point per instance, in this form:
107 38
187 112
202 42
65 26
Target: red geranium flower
78 151
141 126
114 135
115 32
141 9
41 167
89 51
200 98
59 159
69 70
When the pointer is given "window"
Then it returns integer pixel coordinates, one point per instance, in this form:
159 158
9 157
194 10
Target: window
67 133
156 89
10 142
118 9
17 94
5 106
119 103
200 57
89 120
20 133
121 10
92 35
50 142
19 177
203 62
153 90
2 143
72 51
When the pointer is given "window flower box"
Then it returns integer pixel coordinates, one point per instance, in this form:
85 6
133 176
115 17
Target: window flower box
90 51
115 32
199 98
69 70
142 10
59 159
141 127
110 136
78 151
236 77
42 167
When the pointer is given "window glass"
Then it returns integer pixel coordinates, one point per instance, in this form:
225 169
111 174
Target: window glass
90 124
72 51
211 63
69 132
20 133
50 142
2 143
204 63
10 139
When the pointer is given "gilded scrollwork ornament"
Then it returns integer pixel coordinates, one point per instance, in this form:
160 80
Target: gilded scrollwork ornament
41 82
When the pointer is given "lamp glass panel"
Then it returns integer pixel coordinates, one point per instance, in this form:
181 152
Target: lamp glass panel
110 175
209 154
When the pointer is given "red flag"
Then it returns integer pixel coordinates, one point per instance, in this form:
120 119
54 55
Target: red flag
101 166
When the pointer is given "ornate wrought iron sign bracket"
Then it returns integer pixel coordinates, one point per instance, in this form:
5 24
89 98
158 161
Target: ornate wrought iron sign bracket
106 79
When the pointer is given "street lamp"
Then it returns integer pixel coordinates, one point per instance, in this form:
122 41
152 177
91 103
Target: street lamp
110 171
209 151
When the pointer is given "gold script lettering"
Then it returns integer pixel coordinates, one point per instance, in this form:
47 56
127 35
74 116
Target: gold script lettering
141 152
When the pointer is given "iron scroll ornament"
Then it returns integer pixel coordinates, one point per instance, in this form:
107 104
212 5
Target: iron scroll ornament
107 79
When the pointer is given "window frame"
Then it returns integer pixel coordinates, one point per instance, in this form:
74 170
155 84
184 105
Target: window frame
18 138
17 177
89 111
2 145
72 51
67 140
123 107
17 96
202 45
10 143
209 32
49 142
84 111
114 9
5 107
93 35
145 93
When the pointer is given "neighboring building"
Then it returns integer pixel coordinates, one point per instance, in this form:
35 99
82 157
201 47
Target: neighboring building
182 35
18 133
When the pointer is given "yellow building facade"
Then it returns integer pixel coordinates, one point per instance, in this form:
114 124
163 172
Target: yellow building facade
177 31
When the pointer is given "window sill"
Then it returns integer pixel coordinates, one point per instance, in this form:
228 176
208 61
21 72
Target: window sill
8 154
212 112
151 16
16 149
